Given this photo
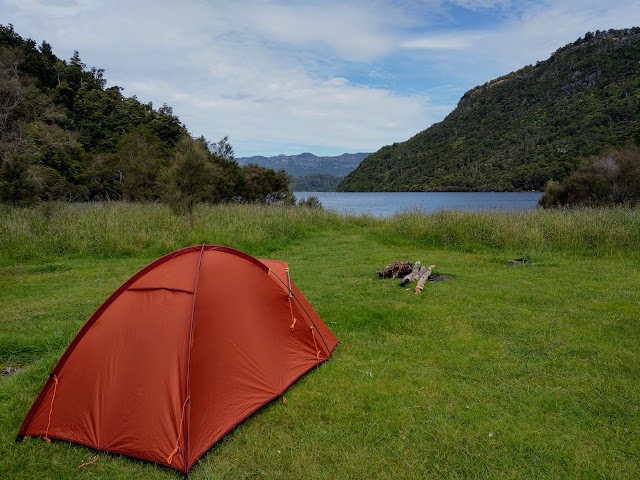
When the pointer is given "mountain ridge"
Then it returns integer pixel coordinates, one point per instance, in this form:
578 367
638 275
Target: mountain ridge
307 163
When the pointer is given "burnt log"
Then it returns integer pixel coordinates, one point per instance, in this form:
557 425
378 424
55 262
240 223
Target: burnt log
413 275
423 278
395 270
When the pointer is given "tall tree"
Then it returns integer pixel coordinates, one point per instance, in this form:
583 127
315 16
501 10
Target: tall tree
140 157
191 177
16 184
223 149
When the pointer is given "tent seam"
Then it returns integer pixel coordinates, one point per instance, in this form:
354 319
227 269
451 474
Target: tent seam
188 379
291 294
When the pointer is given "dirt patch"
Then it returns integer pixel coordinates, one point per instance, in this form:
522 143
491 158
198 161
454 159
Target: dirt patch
7 371
438 277
520 261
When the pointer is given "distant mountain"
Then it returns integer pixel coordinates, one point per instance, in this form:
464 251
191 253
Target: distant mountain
521 130
308 163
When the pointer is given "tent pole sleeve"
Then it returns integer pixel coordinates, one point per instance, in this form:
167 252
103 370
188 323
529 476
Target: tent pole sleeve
313 323
188 386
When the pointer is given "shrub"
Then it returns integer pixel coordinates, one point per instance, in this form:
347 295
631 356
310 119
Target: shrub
310 202
554 194
612 178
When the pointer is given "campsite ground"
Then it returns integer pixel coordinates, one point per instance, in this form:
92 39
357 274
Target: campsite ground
523 371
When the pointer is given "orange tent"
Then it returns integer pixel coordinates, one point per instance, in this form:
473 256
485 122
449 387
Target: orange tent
179 355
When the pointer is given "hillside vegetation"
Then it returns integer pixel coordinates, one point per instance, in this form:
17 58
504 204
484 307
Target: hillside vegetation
316 182
611 178
519 131
65 135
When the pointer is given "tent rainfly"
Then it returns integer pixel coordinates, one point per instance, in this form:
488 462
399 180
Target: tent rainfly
179 355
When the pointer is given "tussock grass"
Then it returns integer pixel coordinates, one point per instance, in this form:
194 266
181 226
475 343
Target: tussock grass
597 231
121 229
509 372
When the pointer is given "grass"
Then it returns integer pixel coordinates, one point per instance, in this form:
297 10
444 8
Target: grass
526 371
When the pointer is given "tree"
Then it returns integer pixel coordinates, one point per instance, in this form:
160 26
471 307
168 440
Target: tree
65 135
554 194
40 159
264 185
223 149
13 91
16 184
167 126
140 157
191 177
74 71
231 183
104 177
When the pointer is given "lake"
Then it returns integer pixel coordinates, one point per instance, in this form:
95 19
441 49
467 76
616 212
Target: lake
384 204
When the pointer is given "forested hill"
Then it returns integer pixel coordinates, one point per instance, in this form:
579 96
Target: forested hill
523 129
65 135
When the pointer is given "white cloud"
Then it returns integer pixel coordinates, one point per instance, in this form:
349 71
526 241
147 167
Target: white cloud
276 75
352 32
543 29
529 32
270 101
55 8
258 97
448 42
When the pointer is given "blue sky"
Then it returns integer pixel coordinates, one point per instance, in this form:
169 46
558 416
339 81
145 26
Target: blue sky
326 77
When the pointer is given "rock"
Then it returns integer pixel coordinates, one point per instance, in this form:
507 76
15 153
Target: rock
517 261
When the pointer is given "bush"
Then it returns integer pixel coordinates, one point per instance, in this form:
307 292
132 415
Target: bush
310 202
554 194
612 178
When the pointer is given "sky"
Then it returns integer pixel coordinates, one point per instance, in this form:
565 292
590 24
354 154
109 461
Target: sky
326 77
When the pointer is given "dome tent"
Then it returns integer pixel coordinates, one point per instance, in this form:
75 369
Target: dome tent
179 355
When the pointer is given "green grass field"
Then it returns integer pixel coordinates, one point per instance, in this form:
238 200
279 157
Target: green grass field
525 371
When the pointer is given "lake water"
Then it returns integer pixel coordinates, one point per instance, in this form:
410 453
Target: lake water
384 204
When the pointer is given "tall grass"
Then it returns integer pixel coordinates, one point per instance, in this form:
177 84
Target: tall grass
122 229
597 231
